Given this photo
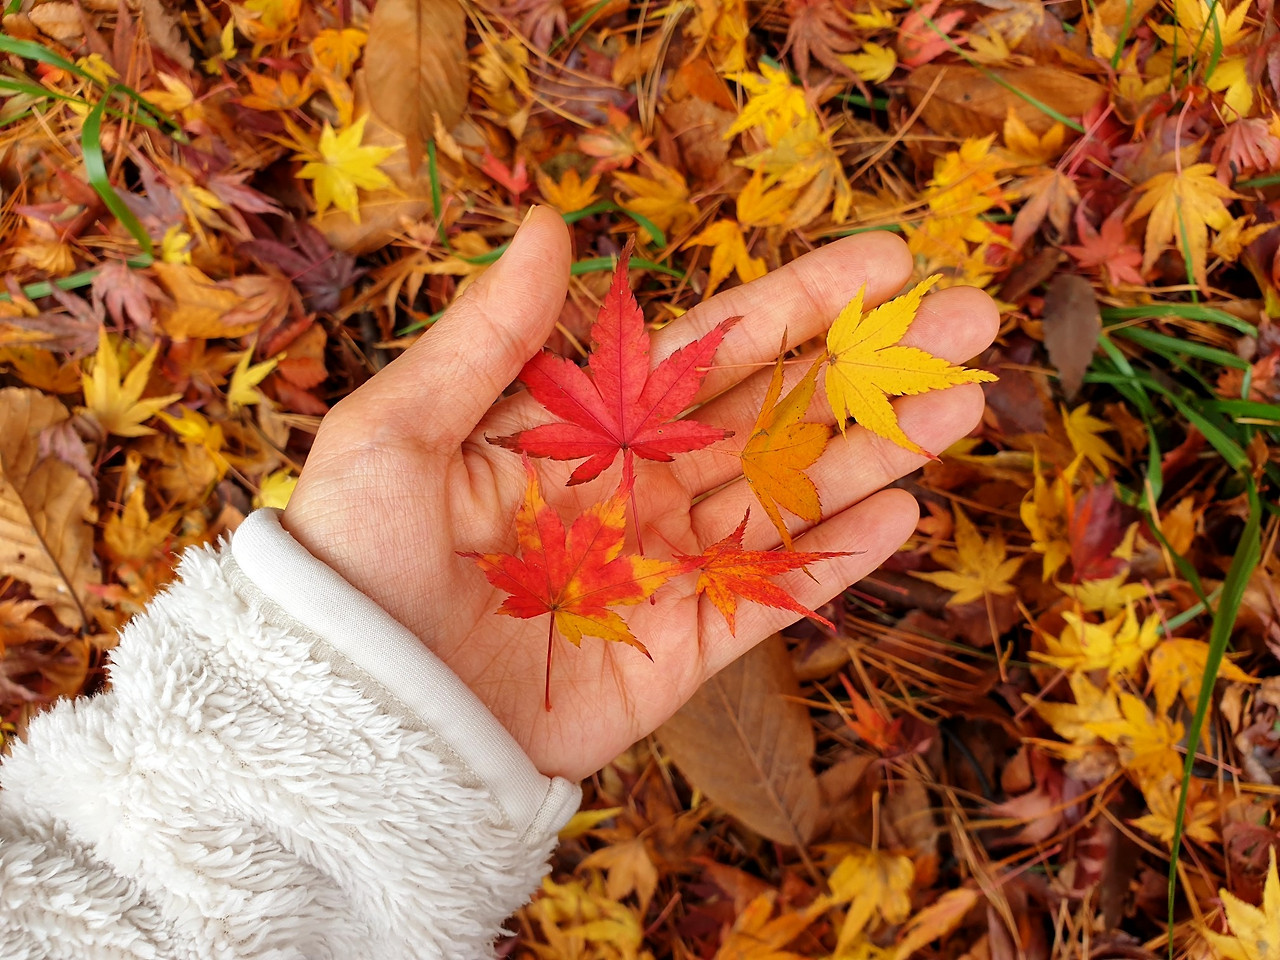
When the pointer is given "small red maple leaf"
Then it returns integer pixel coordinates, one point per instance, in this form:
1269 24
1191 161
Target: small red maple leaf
515 179
618 403
727 572
576 576
1107 247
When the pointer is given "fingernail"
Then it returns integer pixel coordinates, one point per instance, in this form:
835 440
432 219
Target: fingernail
528 213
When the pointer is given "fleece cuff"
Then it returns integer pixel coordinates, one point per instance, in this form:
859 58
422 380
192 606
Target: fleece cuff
316 596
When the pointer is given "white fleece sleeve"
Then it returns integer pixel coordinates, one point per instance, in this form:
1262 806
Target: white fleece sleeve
279 770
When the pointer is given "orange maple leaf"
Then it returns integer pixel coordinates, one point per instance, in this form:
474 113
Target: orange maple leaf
726 572
576 576
781 446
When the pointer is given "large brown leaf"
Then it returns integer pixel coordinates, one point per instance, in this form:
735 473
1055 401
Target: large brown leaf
970 103
416 67
46 537
1071 328
745 741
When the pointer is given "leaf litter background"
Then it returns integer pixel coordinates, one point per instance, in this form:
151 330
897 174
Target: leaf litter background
220 219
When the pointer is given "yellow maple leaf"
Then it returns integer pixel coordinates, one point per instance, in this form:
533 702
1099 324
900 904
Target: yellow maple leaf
774 103
728 254
131 536
198 430
1178 667
117 404
1083 431
1147 744
755 936
1073 721
1255 931
571 193
628 869
1199 27
872 883
976 568
275 489
866 365
286 91
344 167
1108 596
781 447
874 64
1182 206
578 919
1162 801
336 51
662 197
763 202
1116 645
243 391
1029 147
1046 512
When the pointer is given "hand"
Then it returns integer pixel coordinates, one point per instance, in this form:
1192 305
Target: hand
401 478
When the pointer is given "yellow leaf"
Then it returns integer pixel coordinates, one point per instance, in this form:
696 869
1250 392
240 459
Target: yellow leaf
1074 721
200 306
131 535
781 446
976 568
1046 513
1116 646
755 936
275 489
1182 206
1147 744
1178 667
1254 930
875 64
336 51
763 203
173 248
867 365
344 168
1027 145
174 98
936 920
1108 596
774 103
197 430
243 389
872 883
1083 431
117 404
728 254
1162 800
628 869
571 193
584 821
662 197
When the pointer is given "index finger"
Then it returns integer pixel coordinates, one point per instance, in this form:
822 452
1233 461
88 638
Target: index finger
802 297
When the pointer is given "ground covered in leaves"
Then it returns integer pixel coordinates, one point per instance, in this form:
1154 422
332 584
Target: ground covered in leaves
1048 727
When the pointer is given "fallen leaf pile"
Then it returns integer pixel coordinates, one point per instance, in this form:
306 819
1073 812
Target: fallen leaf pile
216 220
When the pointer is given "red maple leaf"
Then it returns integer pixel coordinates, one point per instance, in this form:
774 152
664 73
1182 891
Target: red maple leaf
576 576
515 179
1107 247
618 403
727 572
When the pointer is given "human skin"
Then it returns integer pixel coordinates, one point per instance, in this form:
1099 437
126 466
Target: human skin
401 479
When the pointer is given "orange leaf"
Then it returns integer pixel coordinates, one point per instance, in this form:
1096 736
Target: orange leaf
781 446
575 576
728 572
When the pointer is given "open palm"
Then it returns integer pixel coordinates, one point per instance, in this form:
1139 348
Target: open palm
401 478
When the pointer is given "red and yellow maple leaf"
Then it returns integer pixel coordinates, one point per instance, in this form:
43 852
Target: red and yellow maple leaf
727 572
618 403
578 575
781 446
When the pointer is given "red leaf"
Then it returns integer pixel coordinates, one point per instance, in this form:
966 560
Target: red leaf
618 403
575 576
727 572
515 179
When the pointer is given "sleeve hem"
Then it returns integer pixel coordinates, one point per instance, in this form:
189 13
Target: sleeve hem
363 633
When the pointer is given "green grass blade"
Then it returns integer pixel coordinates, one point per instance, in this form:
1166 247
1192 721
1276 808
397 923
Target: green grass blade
1243 562
1173 347
1184 311
607 263
95 166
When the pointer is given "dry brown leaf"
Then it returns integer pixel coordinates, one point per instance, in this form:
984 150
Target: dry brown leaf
46 512
968 102
1071 327
200 305
934 921
745 741
165 34
416 67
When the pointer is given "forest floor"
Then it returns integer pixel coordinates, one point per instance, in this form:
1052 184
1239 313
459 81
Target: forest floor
1049 726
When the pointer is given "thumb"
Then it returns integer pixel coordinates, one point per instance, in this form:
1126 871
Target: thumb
456 370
